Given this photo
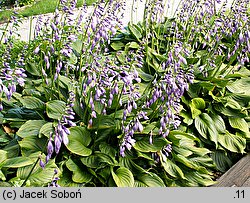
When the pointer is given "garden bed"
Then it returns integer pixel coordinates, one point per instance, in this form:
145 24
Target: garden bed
160 103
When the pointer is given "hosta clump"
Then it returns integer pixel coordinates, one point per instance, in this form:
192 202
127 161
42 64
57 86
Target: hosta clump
122 106
211 105
106 105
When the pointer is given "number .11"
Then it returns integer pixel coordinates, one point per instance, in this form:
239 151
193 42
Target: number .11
240 194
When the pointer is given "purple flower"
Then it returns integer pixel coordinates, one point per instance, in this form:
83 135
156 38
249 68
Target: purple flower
42 164
58 142
1 106
46 60
37 49
241 38
151 137
55 179
50 148
53 26
65 137
140 126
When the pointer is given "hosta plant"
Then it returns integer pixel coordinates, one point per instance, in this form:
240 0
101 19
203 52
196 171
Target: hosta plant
94 103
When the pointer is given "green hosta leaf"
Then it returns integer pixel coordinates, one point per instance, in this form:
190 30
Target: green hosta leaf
30 128
105 158
32 69
205 126
151 180
205 161
220 82
32 144
81 133
233 104
121 56
131 165
30 91
201 53
103 122
186 162
105 172
184 152
104 134
182 135
135 31
15 124
232 142
117 45
144 76
144 145
79 175
77 46
46 129
66 180
154 62
55 109
215 98
95 160
195 112
197 104
79 139
107 149
13 148
3 140
17 182
245 135
5 184
32 103
133 45
200 179
21 114
16 162
181 141
123 177
146 156
151 128
139 184
172 169
241 99
221 160
201 127
198 150
39 176
3 156
77 107
144 90
219 123
73 59
239 123
92 161
2 177
243 72
228 111
187 117
207 85
160 57
64 81
240 86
